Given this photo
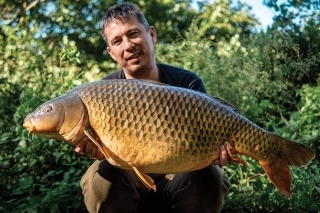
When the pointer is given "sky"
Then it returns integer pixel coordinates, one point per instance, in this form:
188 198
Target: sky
262 12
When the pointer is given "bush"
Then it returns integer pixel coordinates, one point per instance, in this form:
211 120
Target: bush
250 185
43 175
255 73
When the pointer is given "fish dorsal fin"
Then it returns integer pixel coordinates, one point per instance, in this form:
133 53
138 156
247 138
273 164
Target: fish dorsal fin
151 82
234 108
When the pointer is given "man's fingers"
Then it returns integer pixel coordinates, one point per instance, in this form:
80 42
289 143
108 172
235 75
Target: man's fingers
94 152
216 162
223 160
81 146
100 156
89 149
230 149
232 155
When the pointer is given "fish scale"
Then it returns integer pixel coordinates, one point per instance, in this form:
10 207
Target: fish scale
147 118
150 127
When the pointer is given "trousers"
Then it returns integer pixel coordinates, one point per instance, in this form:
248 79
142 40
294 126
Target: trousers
108 189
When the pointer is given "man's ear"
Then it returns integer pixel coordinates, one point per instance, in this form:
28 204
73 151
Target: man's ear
153 34
110 53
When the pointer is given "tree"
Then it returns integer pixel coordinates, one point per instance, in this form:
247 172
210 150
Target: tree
299 20
222 19
47 47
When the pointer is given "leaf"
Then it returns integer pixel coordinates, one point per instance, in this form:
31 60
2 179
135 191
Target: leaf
27 182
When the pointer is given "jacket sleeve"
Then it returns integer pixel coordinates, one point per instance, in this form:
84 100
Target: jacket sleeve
197 85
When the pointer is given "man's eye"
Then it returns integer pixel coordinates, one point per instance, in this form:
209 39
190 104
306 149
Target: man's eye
134 33
116 42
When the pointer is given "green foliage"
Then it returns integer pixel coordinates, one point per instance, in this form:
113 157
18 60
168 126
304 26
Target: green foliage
258 193
299 20
40 175
222 19
257 75
48 47
251 190
253 73
304 125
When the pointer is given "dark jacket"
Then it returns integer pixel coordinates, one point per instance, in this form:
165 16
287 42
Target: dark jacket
171 75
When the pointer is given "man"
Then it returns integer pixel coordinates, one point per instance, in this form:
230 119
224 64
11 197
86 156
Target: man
130 41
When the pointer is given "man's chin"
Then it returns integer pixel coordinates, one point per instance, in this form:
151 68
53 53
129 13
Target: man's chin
138 71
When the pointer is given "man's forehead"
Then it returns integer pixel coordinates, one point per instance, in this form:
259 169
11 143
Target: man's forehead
118 21
119 26
123 20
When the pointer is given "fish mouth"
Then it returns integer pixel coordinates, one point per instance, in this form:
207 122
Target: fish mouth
32 129
29 126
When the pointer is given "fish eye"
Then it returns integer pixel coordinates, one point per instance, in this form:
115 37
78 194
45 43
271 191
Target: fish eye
48 109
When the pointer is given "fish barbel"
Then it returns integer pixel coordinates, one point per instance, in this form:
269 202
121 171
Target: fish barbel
151 127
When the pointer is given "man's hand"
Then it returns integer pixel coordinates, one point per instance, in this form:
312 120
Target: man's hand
223 159
88 148
228 153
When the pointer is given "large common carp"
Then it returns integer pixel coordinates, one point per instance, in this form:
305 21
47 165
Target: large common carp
150 127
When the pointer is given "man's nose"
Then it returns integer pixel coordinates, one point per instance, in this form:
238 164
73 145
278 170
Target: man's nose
128 44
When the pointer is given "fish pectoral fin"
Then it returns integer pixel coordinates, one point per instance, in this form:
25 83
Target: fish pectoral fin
145 179
105 151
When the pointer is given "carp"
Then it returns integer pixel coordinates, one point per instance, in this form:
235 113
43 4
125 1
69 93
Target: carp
150 127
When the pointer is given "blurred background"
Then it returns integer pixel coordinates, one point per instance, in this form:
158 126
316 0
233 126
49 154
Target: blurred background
262 56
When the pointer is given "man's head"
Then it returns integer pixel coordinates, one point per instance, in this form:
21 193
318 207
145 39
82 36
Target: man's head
122 12
130 39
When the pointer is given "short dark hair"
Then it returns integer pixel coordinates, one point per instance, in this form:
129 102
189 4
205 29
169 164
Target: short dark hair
121 12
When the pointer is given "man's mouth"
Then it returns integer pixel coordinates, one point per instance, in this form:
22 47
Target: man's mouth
134 56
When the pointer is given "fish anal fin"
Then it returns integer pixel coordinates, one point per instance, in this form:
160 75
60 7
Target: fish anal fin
170 176
145 179
279 174
236 159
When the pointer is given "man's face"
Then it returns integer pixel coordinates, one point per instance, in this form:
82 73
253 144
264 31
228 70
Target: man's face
131 45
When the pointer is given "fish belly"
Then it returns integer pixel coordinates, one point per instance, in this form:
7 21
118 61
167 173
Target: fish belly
157 128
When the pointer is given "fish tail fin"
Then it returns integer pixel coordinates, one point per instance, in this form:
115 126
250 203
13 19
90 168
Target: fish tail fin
290 153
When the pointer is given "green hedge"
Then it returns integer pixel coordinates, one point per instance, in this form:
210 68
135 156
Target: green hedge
42 175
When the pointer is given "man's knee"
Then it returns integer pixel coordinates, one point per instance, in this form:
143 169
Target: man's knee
214 175
106 188
211 176
205 188
94 188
